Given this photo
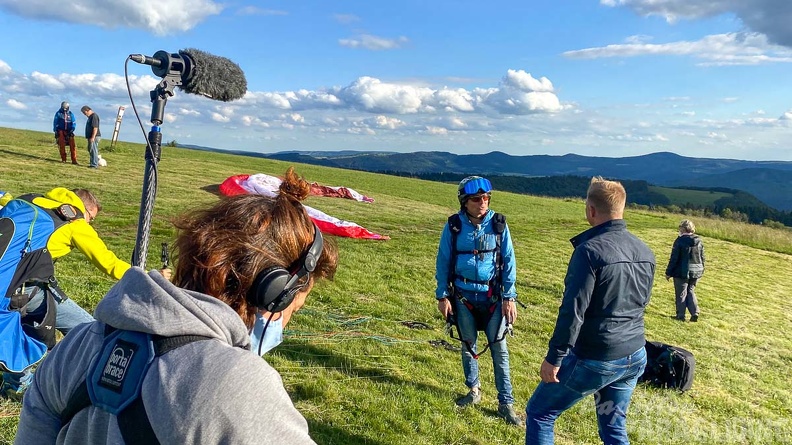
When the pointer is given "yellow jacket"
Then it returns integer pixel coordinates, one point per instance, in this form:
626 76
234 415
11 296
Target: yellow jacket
80 235
4 198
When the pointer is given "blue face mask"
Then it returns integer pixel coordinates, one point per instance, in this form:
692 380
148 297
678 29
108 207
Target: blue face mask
273 335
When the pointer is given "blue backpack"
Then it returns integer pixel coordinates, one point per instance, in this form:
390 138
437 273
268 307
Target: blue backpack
25 261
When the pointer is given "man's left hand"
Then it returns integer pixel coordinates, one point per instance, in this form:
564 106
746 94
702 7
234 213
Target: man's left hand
509 310
549 372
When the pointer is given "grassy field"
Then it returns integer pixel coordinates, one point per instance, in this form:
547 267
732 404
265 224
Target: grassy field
360 375
682 197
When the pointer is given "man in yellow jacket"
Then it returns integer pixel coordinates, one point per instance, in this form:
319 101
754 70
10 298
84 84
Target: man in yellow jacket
76 233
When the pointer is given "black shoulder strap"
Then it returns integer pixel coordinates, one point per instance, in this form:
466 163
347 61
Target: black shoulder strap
455 226
61 214
133 421
499 223
498 226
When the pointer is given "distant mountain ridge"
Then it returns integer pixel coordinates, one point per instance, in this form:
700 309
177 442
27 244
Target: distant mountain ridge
770 181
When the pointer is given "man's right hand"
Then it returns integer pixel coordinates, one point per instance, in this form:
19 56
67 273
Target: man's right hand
444 306
548 372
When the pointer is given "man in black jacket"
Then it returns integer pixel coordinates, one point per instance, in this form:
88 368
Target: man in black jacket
686 266
598 343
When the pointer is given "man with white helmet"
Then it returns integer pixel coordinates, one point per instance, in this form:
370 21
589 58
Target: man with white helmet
64 125
476 274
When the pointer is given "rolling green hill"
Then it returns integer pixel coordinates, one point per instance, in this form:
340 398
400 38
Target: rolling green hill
360 375
681 196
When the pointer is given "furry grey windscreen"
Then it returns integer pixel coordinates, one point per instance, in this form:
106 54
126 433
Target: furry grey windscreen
215 77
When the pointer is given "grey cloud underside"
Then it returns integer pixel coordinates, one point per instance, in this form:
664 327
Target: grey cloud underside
159 17
769 17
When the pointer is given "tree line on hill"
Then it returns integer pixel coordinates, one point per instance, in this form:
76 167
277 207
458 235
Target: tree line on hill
738 205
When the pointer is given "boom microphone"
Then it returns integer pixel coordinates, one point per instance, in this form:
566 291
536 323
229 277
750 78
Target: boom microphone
201 73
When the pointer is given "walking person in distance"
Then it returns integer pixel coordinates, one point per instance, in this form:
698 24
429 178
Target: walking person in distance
686 267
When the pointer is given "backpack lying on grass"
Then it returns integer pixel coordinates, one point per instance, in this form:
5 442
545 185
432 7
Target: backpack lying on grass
668 366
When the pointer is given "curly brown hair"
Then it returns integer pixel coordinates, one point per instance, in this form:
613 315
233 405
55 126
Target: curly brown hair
220 250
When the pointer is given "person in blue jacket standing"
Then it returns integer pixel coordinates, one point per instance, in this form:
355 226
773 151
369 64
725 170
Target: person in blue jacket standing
64 125
476 274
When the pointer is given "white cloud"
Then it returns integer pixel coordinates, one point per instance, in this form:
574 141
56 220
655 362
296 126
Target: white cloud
4 68
293 118
217 117
438 131
718 136
738 48
371 94
159 17
255 10
375 43
385 122
520 93
346 19
15 104
186 112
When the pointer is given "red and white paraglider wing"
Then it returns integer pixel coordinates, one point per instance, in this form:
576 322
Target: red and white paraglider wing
334 226
267 185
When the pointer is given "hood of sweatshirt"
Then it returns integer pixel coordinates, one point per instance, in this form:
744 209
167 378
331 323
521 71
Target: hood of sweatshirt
689 240
149 303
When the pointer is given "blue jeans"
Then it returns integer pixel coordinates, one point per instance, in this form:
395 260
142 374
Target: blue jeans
93 152
499 351
612 383
69 315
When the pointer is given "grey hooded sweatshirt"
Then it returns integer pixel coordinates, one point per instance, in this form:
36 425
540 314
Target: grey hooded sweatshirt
206 392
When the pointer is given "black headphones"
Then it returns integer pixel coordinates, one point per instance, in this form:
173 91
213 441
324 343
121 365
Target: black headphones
274 288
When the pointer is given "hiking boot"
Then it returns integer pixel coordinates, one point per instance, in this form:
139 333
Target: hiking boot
508 414
694 318
472 398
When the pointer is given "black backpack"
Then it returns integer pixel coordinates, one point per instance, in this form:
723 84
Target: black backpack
668 366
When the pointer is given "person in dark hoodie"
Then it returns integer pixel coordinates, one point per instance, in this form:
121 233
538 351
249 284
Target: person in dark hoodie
244 255
686 266
597 346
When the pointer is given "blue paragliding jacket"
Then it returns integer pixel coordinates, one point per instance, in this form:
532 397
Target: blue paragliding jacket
474 272
64 121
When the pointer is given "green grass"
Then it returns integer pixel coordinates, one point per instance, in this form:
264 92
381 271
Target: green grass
682 197
361 376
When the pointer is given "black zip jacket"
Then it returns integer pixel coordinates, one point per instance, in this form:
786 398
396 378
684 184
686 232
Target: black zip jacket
607 287
687 258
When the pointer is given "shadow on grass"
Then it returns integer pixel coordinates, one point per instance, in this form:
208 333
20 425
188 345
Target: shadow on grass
311 355
324 434
213 189
27 155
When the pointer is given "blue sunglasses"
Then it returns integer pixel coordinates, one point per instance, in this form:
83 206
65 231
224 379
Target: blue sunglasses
478 185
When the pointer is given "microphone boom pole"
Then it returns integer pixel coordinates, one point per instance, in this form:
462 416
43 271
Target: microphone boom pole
171 67
195 72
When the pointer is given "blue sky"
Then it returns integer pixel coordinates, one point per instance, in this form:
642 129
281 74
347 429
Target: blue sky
703 78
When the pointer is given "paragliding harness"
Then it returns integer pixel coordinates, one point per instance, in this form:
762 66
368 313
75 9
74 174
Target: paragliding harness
481 316
25 261
115 378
